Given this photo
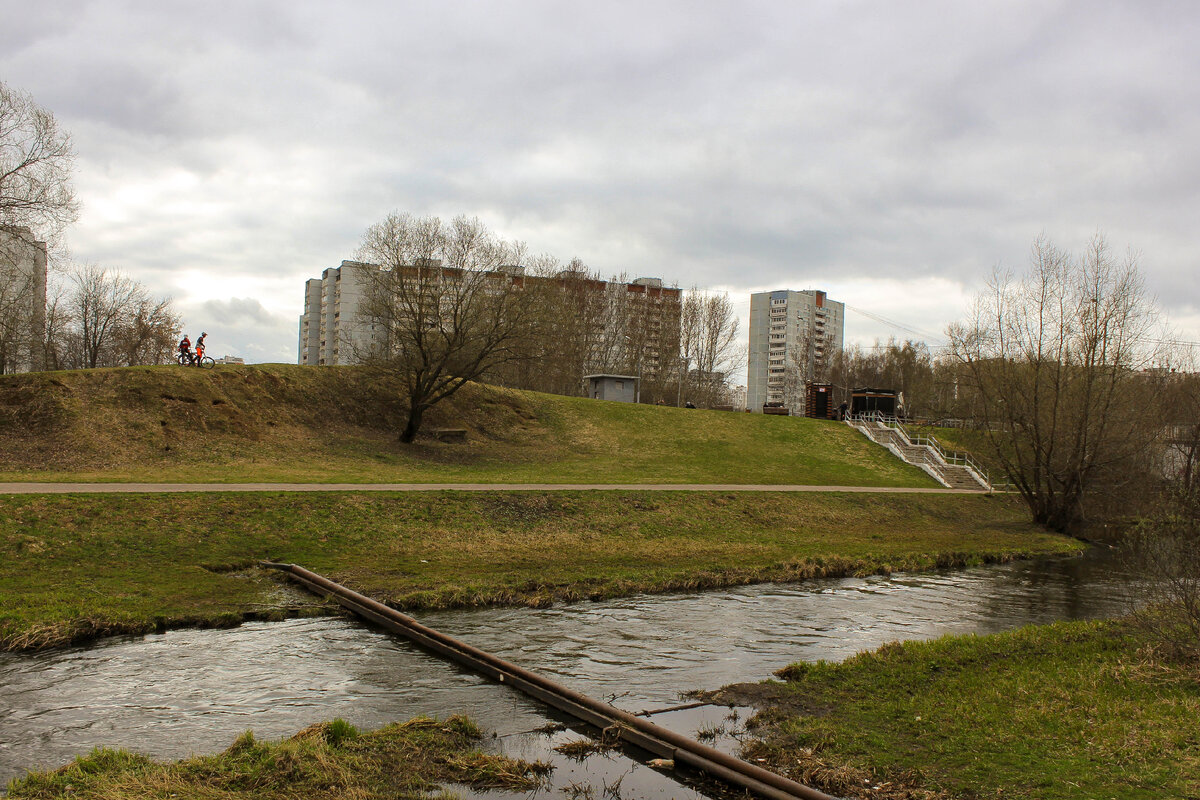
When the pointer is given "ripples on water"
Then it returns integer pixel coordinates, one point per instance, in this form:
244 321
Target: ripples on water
194 691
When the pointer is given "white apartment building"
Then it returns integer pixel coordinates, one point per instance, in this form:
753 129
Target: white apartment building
331 329
793 337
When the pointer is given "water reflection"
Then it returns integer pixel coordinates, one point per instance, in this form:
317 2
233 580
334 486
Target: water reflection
194 691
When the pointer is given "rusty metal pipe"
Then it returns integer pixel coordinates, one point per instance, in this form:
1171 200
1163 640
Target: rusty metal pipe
635 730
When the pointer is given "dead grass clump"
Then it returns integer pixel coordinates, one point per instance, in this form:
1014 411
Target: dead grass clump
60 634
329 760
579 749
806 766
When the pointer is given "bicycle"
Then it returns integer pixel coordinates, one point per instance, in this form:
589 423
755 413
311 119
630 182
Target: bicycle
204 362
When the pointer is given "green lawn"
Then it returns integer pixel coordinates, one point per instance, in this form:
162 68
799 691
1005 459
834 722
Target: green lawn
1069 711
72 567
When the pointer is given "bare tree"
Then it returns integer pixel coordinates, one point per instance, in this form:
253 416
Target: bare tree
643 331
808 360
147 331
100 300
58 331
616 344
710 346
572 304
1054 361
36 203
906 366
445 303
36 159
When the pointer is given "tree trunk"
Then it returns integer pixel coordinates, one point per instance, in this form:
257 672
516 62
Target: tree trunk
414 424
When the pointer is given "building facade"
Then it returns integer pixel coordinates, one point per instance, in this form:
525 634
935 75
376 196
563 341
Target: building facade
23 269
619 388
332 328
594 326
793 339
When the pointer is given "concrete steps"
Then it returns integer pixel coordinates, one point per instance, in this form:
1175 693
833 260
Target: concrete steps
952 476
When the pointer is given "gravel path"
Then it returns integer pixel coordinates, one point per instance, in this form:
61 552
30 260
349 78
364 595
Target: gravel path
165 488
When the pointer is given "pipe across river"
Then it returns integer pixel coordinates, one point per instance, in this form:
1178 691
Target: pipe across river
194 691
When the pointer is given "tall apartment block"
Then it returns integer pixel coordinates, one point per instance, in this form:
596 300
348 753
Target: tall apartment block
635 323
793 337
331 330
23 264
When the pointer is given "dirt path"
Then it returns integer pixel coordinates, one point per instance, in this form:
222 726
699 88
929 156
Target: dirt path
132 488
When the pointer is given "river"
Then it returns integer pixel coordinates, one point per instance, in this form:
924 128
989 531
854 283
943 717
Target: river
193 691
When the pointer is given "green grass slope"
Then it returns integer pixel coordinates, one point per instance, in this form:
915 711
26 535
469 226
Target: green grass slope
340 424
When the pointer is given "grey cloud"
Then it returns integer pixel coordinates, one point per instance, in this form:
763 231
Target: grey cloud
243 327
747 146
239 310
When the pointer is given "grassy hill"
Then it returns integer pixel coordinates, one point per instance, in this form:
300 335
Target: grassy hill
340 424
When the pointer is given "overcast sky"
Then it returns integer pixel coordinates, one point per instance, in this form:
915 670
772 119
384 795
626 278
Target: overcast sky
891 153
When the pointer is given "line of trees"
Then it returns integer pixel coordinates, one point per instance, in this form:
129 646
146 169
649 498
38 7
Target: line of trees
582 324
103 318
54 316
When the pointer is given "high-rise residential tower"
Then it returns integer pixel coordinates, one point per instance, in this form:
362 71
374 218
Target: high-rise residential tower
331 328
793 338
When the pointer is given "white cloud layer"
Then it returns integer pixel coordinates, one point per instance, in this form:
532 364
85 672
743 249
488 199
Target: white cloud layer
891 154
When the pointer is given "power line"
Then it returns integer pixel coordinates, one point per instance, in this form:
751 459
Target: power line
893 324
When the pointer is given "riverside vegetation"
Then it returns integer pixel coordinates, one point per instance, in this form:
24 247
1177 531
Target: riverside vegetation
78 566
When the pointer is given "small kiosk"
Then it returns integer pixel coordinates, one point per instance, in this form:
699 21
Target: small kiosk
621 388
867 399
818 401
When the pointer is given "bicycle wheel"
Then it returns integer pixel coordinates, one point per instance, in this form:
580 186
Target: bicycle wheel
207 362
182 360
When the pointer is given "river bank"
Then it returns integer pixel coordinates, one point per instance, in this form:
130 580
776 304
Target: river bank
74 568
1067 711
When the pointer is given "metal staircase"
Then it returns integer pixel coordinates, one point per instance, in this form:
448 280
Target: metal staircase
951 469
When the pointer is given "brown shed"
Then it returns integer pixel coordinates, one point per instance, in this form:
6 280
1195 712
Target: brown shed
818 401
